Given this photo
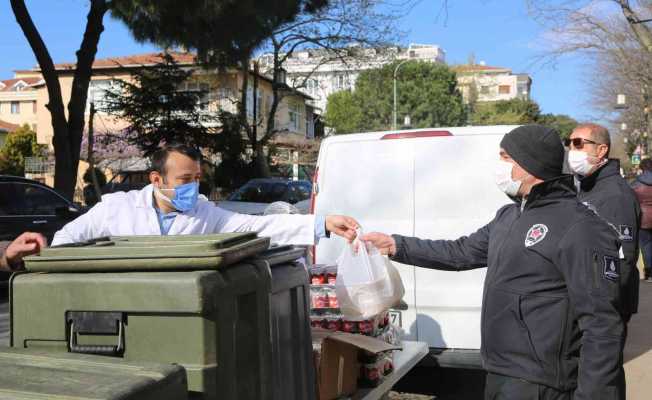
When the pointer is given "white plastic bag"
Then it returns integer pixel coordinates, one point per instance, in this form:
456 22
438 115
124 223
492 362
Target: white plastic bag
367 282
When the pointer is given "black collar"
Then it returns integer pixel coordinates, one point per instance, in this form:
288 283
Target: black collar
611 168
551 191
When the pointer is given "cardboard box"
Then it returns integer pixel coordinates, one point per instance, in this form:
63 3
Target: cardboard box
336 360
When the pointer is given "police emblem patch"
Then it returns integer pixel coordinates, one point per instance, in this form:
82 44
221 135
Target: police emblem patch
611 268
626 233
536 234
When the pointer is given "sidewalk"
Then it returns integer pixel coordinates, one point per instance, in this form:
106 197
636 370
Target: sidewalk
638 350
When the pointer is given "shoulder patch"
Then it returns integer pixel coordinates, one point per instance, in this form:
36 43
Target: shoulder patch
536 234
611 269
626 233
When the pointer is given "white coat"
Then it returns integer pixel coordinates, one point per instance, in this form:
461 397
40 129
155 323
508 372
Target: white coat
133 213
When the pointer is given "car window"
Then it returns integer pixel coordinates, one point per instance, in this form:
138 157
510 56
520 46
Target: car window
260 192
302 190
37 200
7 198
277 192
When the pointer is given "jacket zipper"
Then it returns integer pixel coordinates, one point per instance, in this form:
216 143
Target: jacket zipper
489 280
596 277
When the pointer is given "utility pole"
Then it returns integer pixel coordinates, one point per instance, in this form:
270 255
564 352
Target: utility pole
254 107
395 72
91 164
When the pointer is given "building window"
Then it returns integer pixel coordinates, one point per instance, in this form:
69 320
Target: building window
201 89
312 86
341 82
295 114
15 107
250 103
34 107
485 89
504 89
413 54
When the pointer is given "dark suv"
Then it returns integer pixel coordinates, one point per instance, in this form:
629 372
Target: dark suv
27 205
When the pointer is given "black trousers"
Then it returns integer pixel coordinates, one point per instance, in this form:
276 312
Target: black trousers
500 387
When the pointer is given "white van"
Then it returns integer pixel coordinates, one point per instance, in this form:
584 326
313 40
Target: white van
429 183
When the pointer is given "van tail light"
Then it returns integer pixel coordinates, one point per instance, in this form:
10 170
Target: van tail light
313 199
415 135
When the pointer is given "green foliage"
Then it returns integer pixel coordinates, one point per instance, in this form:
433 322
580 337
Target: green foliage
517 112
343 113
233 170
563 123
225 29
427 92
157 111
505 112
18 145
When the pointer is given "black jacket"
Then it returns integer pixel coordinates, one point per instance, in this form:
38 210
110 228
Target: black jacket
551 289
613 199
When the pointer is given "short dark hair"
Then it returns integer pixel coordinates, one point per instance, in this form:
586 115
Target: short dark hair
646 164
159 158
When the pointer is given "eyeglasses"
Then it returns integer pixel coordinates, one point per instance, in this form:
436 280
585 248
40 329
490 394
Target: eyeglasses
578 143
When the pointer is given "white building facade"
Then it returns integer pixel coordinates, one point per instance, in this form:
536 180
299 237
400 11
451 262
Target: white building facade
318 75
479 82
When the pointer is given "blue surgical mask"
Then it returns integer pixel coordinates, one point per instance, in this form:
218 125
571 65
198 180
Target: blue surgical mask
185 196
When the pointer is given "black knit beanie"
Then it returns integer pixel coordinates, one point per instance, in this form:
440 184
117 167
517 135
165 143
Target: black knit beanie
537 149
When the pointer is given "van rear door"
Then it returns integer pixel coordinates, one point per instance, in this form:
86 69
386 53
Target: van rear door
371 180
455 195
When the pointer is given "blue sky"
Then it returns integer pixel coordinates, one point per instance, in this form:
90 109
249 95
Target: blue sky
498 32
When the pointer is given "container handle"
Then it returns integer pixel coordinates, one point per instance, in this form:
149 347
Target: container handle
103 350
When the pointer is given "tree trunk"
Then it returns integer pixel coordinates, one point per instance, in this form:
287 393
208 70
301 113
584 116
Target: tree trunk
81 81
62 179
261 168
67 133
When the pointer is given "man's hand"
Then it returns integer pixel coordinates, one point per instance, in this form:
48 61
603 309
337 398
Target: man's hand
342 226
24 245
384 243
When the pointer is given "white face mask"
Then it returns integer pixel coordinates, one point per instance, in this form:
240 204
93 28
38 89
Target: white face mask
503 178
579 163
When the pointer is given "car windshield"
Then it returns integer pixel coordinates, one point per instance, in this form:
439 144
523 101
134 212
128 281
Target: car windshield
261 192
19 198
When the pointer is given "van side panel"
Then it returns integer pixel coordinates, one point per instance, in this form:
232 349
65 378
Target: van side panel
455 195
373 181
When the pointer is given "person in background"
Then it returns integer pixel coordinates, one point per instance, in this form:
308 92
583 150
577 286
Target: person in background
12 253
643 188
601 187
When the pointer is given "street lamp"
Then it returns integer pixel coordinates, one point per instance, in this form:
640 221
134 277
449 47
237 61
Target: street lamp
621 102
407 122
395 72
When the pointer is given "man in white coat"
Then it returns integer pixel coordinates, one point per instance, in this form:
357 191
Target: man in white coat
171 205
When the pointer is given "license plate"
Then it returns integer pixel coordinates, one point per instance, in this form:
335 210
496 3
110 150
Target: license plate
395 318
